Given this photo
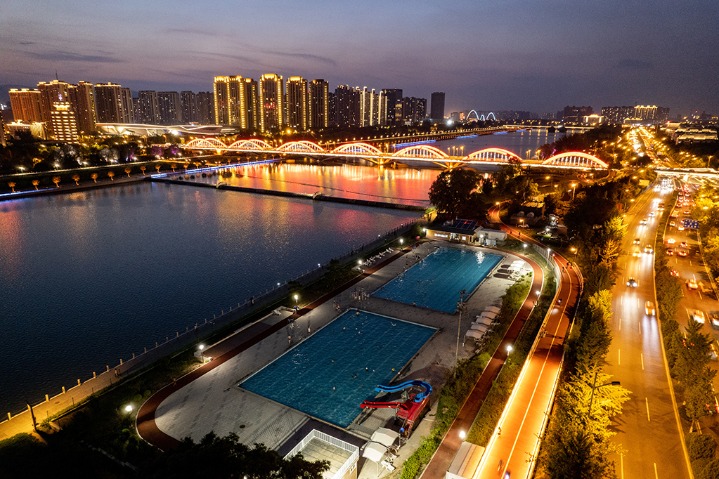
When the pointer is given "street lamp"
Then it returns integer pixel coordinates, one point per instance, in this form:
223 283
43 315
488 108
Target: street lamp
128 408
462 434
201 347
296 298
574 187
460 307
594 388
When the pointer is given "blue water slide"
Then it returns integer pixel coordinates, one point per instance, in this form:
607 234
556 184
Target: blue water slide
408 384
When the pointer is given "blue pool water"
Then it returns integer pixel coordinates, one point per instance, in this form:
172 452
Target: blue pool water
435 282
331 373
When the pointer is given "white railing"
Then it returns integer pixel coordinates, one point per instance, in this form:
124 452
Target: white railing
348 465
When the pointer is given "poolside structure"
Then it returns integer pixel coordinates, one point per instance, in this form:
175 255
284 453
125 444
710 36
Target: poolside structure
318 446
467 232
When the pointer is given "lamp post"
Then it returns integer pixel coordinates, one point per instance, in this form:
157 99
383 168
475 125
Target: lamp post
201 347
296 297
574 187
460 307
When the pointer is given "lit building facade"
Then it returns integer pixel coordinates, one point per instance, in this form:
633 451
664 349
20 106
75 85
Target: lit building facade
251 105
25 104
113 103
414 110
147 108
230 101
205 108
394 105
188 105
82 98
297 106
346 107
318 104
63 121
272 108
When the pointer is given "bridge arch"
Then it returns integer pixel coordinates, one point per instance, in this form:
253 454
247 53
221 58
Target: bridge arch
252 144
205 144
476 115
575 159
421 151
491 114
493 155
301 147
357 149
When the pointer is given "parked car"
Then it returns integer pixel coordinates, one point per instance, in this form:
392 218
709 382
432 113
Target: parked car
692 284
672 224
714 318
649 309
696 315
671 241
674 273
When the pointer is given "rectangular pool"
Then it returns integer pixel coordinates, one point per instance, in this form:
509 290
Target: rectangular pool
331 373
436 281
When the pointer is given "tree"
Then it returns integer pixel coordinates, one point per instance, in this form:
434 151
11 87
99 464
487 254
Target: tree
76 179
94 177
56 180
12 185
111 175
143 168
452 189
35 183
128 170
221 457
157 167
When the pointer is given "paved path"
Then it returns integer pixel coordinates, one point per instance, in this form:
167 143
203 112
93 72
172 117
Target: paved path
146 418
444 455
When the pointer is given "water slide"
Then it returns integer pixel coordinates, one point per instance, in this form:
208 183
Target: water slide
408 384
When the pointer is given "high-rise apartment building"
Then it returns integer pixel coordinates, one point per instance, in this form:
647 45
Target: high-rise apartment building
3 141
318 104
63 121
615 115
170 107
25 104
229 101
575 114
147 107
188 102
50 92
82 98
437 106
113 103
271 102
297 106
394 105
373 107
251 105
414 110
205 108
347 107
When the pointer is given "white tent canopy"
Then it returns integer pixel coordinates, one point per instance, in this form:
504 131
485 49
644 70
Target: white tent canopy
483 320
493 309
374 451
384 436
478 327
473 333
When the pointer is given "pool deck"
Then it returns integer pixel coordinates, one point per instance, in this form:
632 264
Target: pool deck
207 399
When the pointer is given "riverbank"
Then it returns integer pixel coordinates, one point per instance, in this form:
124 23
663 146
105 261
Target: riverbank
67 189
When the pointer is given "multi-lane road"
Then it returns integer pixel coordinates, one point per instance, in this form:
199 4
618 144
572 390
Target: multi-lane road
648 431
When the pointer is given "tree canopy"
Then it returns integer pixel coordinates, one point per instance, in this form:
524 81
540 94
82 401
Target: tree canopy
454 190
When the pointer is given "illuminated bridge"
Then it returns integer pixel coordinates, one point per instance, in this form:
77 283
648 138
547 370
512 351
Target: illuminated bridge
415 153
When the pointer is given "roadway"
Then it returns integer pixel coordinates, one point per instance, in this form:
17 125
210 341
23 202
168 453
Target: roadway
648 433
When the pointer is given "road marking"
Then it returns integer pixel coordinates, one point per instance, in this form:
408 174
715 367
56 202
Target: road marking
639 324
656 473
620 323
619 357
621 464
647 401
641 356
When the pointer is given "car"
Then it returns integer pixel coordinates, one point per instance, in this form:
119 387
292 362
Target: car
648 249
643 221
682 252
671 241
672 224
674 273
637 241
632 283
680 228
674 215
714 318
649 309
670 252
683 244
651 214
696 315
661 206
692 284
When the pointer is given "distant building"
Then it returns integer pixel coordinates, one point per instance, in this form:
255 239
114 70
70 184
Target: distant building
373 107
574 114
437 106
3 142
297 105
639 114
63 121
50 92
592 120
616 115
113 103
414 110
147 108
188 107
170 107
36 129
25 104
82 98
272 107
205 108
394 105
318 104
347 107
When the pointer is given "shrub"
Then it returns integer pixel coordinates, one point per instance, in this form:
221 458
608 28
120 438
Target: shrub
701 446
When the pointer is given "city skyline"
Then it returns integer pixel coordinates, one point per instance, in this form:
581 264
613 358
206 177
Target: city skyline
537 57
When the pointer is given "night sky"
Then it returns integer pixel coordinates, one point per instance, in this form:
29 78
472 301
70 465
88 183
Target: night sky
536 55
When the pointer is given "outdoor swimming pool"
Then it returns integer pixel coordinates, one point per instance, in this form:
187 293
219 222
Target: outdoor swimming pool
435 282
331 373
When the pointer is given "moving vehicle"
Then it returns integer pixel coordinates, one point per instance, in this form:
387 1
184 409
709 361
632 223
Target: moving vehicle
696 315
632 283
682 252
637 241
648 249
670 252
683 244
714 318
649 309
692 284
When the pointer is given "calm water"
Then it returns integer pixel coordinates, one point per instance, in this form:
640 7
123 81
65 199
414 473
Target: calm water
407 185
522 142
436 281
331 373
87 278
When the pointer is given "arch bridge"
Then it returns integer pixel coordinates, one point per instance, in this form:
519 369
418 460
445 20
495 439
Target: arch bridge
575 160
